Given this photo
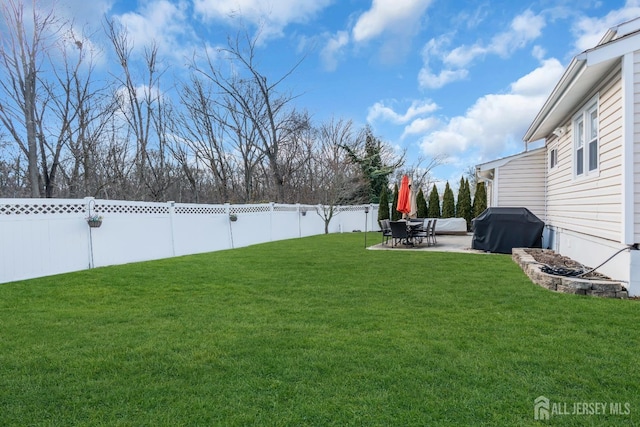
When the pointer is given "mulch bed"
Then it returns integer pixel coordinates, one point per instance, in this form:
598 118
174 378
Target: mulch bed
554 260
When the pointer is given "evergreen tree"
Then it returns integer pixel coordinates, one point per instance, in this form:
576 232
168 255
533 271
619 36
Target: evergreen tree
460 197
480 199
383 210
395 215
448 202
467 189
463 206
374 170
421 204
434 203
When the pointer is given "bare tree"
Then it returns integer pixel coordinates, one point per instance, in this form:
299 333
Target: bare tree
258 100
161 170
420 172
13 175
294 151
335 177
21 56
202 127
80 112
143 109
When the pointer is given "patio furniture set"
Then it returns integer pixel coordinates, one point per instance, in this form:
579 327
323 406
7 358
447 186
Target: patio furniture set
411 232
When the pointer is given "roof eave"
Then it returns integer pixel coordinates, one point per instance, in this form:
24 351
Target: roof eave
582 74
568 78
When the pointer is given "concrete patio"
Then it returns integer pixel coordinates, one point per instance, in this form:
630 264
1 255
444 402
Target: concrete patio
445 243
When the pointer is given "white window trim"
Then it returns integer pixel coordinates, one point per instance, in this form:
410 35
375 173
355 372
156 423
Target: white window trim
583 114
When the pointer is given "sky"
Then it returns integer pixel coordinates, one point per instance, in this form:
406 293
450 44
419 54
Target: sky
456 80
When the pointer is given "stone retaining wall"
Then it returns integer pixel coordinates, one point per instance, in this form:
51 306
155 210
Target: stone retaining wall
567 285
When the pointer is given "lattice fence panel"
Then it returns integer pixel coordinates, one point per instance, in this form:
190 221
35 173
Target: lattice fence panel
250 209
106 208
41 208
350 208
285 208
200 210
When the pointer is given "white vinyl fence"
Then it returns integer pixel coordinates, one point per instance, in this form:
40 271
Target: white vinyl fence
42 237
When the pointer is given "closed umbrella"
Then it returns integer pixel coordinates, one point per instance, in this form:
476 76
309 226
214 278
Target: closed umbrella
404 202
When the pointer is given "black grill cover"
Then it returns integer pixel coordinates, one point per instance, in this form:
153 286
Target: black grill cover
502 229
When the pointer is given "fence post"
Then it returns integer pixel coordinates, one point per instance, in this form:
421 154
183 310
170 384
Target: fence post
271 214
172 208
374 217
227 210
90 203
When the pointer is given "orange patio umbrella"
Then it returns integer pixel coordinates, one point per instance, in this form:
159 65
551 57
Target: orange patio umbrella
404 196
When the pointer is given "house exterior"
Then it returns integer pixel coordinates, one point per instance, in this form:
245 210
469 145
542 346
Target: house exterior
590 125
517 180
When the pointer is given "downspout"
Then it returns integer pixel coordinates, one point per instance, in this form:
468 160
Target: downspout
628 209
628 234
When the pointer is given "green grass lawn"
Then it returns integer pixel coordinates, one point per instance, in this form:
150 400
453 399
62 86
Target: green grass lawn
314 331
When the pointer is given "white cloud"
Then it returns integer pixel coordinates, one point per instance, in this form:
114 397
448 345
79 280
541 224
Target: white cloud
389 16
434 48
270 16
523 29
420 126
463 55
455 62
417 108
333 50
82 12
496 122
540 81
429 80
162 22
538 52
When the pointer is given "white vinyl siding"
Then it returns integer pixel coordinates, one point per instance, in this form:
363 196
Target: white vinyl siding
521 182
592 204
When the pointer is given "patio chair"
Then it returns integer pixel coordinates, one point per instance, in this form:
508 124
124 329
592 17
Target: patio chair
386 230
398 232
425 234
418 232
414 221
432 232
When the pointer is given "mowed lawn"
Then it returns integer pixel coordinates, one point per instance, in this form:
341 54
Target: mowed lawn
315 331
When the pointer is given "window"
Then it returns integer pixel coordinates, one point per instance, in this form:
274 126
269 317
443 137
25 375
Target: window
553 157
585 131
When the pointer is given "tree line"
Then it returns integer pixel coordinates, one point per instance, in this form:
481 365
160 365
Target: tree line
216 130
463 207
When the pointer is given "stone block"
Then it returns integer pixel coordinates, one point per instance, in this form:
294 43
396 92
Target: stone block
570 289
548 281
606 286
622 294
532 270
602 294
576 283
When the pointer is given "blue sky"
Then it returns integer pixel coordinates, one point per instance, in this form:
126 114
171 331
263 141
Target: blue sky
456 79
